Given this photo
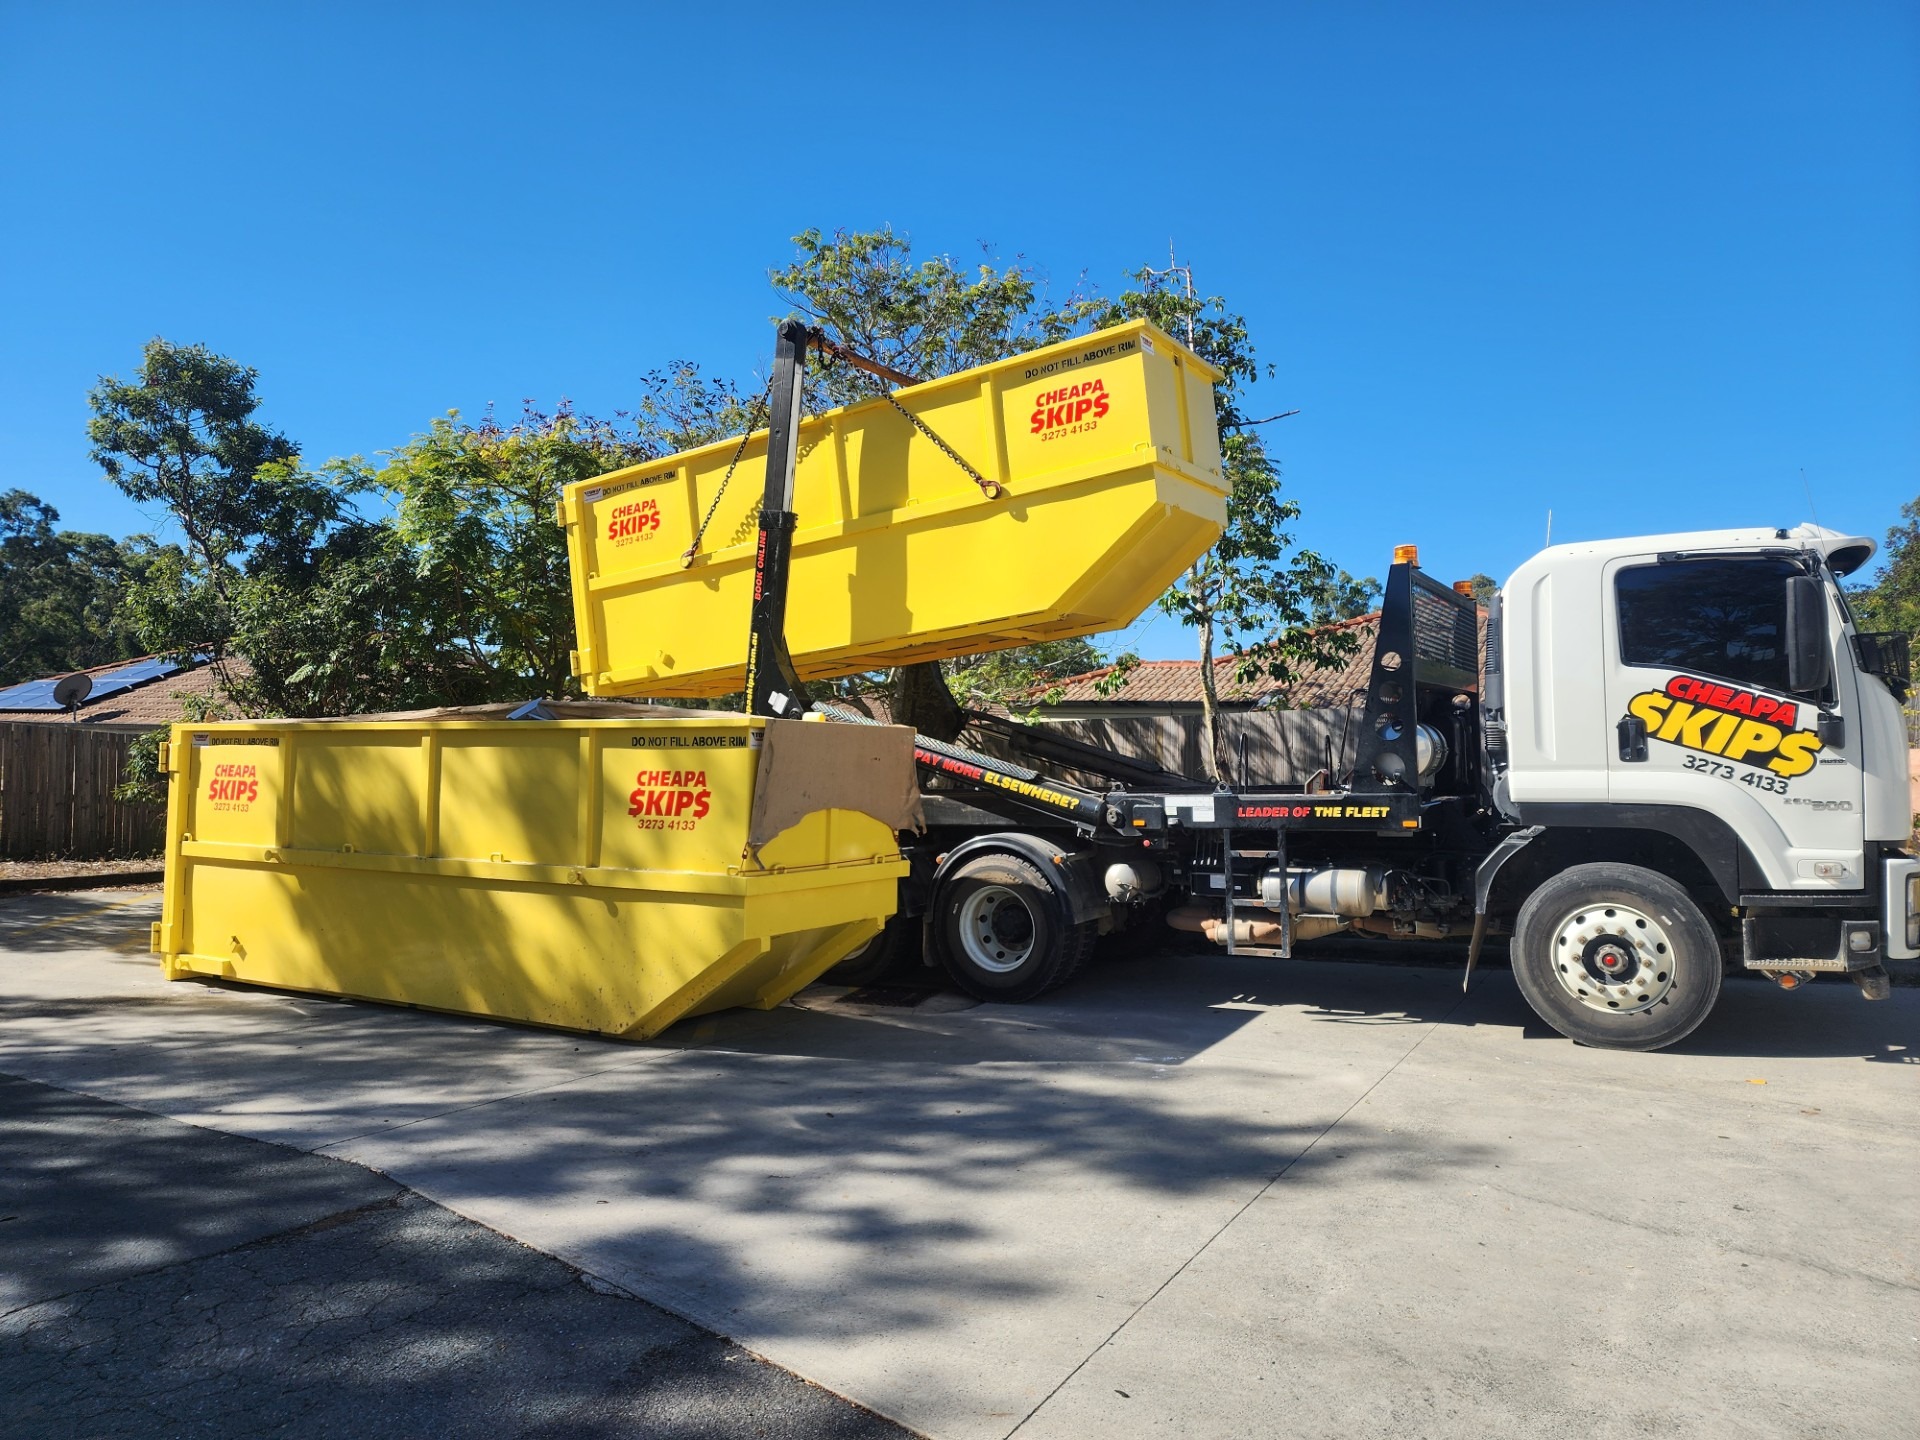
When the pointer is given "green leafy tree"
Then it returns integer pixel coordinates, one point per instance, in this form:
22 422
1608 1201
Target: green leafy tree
923 317
928 317
60 592
680 409
1023 676
181 435
456 592
1343 597
363 633
1255 594
1485 587
1892 602
461 595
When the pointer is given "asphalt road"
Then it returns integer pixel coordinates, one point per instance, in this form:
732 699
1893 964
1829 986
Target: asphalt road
158 1279
1189 1195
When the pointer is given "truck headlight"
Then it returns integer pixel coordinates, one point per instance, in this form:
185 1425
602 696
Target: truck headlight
1913 912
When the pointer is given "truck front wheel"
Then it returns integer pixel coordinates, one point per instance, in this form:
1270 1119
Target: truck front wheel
1004 931
1616 957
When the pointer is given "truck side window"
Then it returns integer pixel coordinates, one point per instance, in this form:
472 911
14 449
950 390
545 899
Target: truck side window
1723 618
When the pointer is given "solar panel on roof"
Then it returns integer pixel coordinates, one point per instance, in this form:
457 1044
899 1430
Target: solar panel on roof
140 672
29 695
38 694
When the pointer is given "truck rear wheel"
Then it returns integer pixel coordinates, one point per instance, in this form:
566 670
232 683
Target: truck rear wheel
1003 930
1616 957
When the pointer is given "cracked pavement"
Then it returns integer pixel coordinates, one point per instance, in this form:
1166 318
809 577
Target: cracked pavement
157 1279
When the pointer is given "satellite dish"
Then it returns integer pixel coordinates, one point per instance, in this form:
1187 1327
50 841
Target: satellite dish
69 692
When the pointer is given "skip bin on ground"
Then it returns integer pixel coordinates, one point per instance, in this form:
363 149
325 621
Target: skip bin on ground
1107 455
591 874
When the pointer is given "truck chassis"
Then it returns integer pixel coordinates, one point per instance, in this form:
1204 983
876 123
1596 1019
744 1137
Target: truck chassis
1621 923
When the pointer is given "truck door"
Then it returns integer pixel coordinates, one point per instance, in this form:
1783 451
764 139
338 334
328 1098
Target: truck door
1701 715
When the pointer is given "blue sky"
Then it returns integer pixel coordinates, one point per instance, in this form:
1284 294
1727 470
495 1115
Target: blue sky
1643 265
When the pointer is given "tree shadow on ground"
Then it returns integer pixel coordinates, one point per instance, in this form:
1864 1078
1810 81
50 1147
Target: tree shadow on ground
905 1167
44 924
897 1162
1826 1020
200 1282
1753 1019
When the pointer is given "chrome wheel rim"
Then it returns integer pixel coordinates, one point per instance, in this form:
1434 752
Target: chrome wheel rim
996 929
1613 958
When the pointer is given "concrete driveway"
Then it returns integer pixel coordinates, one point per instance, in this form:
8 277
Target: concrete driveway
1189 1196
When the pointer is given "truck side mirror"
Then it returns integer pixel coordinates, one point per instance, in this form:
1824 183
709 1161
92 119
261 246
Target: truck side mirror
1886 653
1809 662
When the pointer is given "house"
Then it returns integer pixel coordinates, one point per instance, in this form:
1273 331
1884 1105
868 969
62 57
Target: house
1171 688
1272 732
140 694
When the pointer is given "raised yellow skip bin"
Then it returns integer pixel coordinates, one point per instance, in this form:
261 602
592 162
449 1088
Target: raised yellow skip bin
592 874
1108 458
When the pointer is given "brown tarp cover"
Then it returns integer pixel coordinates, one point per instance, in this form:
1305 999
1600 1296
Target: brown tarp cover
807 766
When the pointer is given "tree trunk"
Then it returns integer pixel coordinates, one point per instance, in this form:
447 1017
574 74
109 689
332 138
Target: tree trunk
919 697
1209 706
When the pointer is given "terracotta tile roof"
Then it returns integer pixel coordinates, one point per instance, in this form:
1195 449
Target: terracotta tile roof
1177 682
157 702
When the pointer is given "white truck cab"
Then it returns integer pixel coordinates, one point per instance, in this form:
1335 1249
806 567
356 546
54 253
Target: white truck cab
1673 755
1707 699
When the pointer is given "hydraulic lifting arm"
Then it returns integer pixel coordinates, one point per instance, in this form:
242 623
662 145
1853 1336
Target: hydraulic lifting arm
773 688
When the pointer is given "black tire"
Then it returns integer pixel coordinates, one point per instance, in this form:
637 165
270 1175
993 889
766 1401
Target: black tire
893 954
1146 934
1616 957
1004 931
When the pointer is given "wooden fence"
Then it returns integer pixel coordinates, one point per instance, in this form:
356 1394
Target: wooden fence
56 796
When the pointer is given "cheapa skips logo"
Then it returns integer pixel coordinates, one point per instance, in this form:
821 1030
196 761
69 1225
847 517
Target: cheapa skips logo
636 520
1733 724
234 787
1056 410
671 794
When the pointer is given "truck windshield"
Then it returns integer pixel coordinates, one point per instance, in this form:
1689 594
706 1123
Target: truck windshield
1724 617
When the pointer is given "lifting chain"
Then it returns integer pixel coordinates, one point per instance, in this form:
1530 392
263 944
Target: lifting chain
759 407
988 488
833 351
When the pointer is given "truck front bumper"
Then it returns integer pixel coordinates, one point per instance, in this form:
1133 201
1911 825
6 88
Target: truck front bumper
1900 899
1811 944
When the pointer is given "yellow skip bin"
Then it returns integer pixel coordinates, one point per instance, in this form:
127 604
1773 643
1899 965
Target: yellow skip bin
599 874
1107 459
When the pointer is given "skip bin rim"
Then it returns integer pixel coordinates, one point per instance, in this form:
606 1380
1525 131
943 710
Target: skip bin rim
970 376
